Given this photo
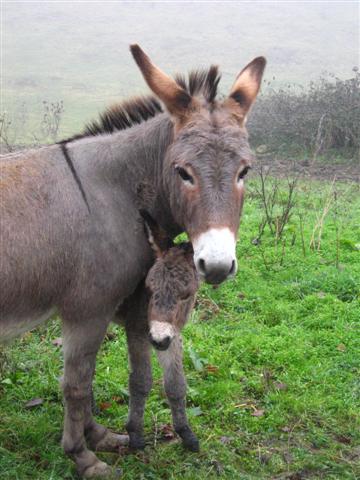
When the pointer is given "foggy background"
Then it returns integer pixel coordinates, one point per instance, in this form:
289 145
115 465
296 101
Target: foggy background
78 52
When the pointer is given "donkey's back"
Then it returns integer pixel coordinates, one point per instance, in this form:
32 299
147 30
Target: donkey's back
54 252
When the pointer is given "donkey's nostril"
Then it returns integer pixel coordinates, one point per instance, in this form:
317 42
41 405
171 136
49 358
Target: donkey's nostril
201 266
216 272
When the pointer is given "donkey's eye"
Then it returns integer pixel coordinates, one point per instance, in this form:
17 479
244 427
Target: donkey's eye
242 174
184 175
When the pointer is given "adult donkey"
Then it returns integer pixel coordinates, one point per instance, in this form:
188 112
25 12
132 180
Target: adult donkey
72 238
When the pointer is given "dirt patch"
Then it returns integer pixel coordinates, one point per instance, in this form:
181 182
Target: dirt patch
319 170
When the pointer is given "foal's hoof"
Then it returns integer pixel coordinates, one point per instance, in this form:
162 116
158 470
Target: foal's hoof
193 445
136 441
99 470
189 440
111 442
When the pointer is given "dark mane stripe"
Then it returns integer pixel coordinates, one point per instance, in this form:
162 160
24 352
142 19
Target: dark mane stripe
139 109
124 115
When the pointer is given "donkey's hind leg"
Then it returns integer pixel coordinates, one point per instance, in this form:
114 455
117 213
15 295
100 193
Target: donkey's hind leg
82 340
171 361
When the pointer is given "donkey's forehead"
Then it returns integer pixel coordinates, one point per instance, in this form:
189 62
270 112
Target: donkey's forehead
207 139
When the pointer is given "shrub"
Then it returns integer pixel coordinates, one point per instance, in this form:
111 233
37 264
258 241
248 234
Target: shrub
324 116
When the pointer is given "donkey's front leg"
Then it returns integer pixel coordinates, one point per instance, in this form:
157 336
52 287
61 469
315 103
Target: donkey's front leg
140 379
171 361
82 340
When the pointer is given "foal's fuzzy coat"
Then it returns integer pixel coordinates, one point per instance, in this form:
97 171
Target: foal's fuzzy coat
171 285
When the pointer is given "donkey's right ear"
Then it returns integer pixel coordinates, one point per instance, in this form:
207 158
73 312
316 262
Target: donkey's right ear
175 98
159 241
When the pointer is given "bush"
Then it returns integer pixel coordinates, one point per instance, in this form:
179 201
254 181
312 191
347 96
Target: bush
325 116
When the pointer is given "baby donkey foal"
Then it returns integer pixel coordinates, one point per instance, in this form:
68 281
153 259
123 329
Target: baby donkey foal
171 284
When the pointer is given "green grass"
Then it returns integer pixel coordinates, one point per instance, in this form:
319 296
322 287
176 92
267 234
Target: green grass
284 337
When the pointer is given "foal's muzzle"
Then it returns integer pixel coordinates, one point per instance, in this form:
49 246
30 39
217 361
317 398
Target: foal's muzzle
160 344
161 334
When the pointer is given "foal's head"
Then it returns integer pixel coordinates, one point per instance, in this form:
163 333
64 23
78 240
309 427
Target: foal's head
208 158
172 283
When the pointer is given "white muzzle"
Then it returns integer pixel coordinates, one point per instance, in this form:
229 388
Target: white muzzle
214 255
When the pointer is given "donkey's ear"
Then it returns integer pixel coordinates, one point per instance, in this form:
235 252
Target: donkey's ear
159 241
246 87
175 98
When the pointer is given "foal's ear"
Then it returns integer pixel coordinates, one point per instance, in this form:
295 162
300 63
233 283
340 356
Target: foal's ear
159 241
246 87
175 98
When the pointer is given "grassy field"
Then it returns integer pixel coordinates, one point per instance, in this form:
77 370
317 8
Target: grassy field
272 361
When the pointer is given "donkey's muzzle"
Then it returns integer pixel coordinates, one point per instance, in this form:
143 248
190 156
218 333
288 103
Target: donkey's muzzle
216 273
162 344
214 255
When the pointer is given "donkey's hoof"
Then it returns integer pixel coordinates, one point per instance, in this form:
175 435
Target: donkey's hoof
111 442
136 441
98 470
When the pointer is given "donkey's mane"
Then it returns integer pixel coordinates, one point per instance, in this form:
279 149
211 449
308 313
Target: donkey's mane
139 109
124 115
201 82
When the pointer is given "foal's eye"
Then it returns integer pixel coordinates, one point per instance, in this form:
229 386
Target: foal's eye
242 174
184 175
185 297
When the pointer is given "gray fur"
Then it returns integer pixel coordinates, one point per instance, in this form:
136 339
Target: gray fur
171 286
55 255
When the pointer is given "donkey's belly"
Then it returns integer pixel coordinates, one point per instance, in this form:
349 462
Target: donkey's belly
11 326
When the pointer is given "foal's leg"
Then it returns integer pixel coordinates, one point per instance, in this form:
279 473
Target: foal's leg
82 340
140 382
140 379
171 361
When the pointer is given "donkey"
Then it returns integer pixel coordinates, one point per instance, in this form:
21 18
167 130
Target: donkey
72 239
171 286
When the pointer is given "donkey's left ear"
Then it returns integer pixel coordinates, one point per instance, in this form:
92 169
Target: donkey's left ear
159 240
246 87
178 102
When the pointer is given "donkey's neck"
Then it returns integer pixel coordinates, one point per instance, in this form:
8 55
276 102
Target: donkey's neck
133 160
